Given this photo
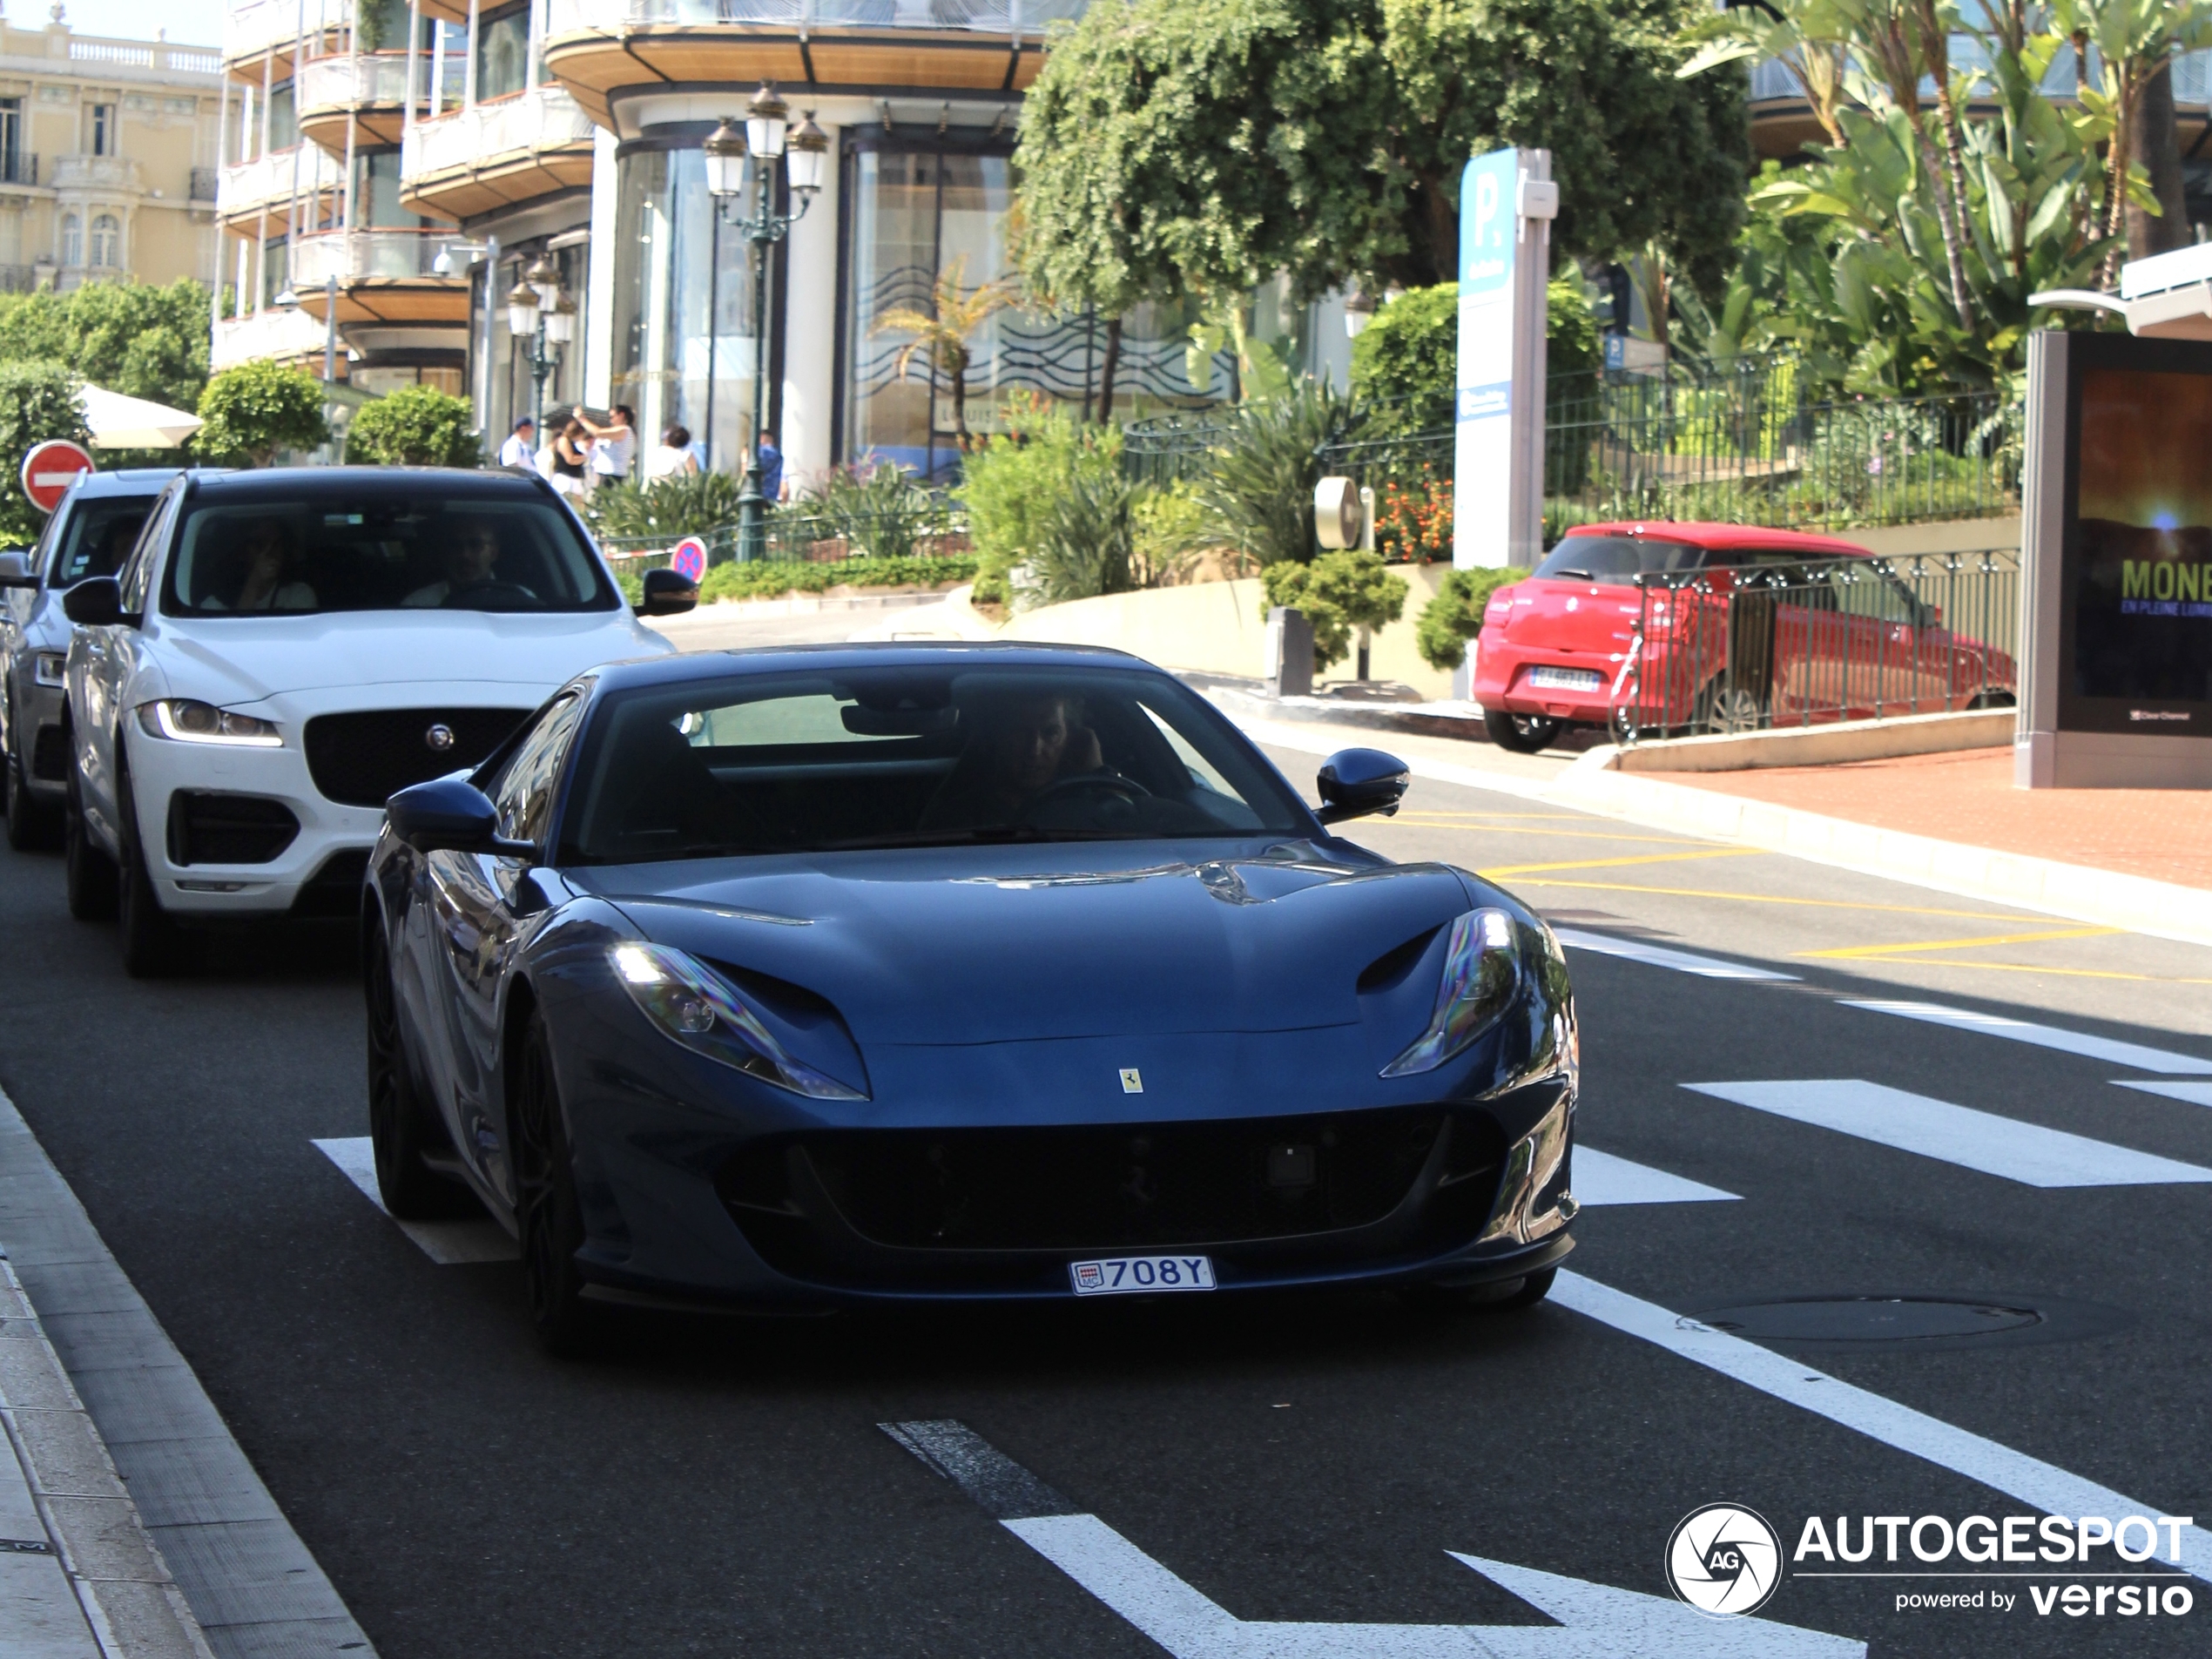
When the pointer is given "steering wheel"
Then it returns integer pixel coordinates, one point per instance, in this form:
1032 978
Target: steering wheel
1105 781
501 596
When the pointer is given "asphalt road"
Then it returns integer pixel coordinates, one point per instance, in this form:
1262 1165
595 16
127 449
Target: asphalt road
721 1487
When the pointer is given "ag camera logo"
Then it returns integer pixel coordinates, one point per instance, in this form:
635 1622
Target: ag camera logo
1724 1560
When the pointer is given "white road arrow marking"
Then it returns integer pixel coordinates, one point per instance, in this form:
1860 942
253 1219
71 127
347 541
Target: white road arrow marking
1595 1621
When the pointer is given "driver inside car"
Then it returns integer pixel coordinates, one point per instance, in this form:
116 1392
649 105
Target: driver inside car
471 562
1022 748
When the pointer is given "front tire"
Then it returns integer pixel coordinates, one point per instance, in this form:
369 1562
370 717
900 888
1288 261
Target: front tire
154 946
547 1212
400 1125
89 872
1521 734
31 823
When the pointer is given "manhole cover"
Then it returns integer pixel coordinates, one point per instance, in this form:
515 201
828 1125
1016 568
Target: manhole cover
1916 1321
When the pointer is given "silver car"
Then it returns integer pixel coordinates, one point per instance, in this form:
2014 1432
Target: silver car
90 534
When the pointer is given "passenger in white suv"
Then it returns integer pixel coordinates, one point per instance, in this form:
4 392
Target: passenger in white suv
284 649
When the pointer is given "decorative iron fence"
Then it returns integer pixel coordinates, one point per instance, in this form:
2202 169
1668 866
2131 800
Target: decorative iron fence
1754 644
930 529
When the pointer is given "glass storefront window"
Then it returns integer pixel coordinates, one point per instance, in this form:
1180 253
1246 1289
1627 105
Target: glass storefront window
502 52
683 351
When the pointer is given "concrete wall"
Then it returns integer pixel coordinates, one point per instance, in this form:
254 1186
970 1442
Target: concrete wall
1951 536
1220 628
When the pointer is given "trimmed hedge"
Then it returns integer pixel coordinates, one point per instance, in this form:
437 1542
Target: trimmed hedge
771 579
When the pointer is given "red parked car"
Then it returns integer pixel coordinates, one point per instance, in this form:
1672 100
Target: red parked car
1672 628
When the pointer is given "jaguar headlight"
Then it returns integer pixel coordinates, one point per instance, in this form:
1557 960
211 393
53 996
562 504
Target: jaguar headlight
695 1006
184 719
48 668
1481 977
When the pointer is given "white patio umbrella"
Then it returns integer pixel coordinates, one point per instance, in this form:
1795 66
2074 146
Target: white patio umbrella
120 423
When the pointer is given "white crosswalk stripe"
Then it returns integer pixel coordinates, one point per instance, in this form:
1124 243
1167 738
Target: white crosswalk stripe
449 1243
2195 1094
1681 962
2028 1153
2047 1036
1602 1178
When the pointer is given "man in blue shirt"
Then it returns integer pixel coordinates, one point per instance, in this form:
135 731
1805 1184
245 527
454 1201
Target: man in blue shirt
772 470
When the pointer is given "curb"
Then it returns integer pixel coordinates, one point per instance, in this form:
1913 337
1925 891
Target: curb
2074 892
133 1608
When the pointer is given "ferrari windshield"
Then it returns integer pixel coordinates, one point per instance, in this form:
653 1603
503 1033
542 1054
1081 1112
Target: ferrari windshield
411 541
910 757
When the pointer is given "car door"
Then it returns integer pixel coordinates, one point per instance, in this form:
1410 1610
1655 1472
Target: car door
480 908
18 606
108 666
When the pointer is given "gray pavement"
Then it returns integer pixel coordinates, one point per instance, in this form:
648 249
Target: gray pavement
2019 1122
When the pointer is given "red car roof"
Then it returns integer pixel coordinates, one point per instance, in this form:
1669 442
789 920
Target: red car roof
1726 535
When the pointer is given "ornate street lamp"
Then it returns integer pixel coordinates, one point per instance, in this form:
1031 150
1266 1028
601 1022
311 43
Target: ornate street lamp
540 312
767 137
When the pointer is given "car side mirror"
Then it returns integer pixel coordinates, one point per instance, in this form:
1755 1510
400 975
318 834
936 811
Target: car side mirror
450 815
15 570
1360 783
96 602
668 593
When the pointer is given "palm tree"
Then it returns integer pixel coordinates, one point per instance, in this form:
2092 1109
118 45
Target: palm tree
955 312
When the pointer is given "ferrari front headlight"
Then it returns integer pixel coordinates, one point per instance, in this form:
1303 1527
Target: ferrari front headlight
695 1006
184 719
1481 977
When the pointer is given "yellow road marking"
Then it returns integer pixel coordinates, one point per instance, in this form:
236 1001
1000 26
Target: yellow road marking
1770 898
1872 951
1498 872
2069 973
1415 821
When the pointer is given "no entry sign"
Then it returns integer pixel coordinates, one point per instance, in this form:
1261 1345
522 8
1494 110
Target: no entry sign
49 469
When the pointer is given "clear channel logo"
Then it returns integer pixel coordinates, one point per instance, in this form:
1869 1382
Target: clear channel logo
1725 1560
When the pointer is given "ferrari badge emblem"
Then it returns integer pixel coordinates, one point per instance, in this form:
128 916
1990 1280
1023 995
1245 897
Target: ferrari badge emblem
1132 1081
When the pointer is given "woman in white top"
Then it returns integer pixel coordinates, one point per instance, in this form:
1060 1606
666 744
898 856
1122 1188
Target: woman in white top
673 458
612 445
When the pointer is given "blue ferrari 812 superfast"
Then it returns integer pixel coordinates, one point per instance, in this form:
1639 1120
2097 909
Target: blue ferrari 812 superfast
845 975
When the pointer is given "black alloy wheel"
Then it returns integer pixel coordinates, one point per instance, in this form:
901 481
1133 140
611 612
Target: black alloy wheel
400 1128
154 946
31 823
547 1212
89 873
1522 734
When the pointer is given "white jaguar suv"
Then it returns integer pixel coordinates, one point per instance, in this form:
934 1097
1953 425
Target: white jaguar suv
284 649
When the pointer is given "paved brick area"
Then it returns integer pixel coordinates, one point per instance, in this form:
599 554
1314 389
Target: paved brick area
2162 833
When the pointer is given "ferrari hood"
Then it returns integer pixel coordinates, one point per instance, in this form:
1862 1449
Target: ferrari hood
976 945
236 660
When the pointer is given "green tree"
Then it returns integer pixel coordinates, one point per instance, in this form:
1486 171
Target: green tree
1199 146
255 408
414 426
1011 480
127 337
1404 364
1339 594
38 402
1454 616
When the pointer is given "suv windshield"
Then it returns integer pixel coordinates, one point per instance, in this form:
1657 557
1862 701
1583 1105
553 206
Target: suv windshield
1617 561
411 541
99 537
911 757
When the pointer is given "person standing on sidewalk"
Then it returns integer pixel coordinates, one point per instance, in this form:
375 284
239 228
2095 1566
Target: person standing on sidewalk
518 453
615 445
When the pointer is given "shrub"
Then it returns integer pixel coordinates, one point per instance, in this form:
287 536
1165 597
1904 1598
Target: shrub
1257 491
685 505
1414 517
1011 481
1454 616
256 409
876 506
414 426
1168 529
1085 547
1337 593
768 577
1405 365
38 402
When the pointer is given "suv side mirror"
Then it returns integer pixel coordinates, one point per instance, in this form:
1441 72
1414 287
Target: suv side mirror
96 602
668 593
15 570
1358 783
450 815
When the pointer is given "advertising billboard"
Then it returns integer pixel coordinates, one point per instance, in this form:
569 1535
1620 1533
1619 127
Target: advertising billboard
2119 544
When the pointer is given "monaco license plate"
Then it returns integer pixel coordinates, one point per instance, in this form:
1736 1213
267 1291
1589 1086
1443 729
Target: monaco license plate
1142 1275
1566 679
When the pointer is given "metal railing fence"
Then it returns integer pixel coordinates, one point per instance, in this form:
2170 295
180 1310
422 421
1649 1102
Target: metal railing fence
932 530
1757 645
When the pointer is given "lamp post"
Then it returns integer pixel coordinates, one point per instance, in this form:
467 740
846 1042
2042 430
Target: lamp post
540 312
767 137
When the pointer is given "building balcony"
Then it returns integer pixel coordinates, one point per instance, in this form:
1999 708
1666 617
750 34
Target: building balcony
288 336
255 29
469 162
382 277
365 90
597 48
246 189
97 175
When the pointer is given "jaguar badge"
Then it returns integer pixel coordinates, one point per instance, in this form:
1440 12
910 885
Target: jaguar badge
439 737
